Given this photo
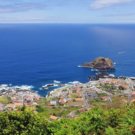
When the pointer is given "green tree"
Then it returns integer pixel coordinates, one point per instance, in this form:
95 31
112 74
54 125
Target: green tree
22 123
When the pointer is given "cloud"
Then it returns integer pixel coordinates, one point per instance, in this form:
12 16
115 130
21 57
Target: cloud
98 4
8 7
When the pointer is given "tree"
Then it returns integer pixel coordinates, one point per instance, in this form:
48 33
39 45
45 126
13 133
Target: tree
22 123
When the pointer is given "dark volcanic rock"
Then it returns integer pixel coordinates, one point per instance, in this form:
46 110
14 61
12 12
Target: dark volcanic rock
100 63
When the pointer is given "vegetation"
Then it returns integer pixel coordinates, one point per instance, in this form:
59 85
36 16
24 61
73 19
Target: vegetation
22 123
97 121
108 87
44 109
4 100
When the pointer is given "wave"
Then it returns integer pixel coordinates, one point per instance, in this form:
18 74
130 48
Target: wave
16 87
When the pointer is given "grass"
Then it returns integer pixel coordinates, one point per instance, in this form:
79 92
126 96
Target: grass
46 110
4 100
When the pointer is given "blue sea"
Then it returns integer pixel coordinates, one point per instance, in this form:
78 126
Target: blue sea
37 54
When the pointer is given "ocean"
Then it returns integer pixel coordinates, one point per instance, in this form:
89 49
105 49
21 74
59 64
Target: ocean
37 54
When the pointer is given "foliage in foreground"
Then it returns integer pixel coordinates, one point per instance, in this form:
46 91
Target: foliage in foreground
98 121
22 123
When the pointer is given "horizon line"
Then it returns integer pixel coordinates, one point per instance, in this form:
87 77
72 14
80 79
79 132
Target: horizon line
65 23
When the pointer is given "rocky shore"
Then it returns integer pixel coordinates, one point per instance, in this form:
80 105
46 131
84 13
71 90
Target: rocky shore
82 95
72 98
13 97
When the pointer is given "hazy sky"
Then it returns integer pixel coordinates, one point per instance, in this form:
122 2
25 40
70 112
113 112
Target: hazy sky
67 11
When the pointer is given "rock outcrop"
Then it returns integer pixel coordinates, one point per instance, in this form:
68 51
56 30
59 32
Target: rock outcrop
100 63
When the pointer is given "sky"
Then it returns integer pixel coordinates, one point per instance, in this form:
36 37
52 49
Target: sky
67 11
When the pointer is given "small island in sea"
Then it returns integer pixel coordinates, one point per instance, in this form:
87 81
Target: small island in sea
100 63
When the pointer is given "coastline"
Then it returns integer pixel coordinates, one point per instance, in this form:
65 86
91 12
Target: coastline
83 95
74 93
